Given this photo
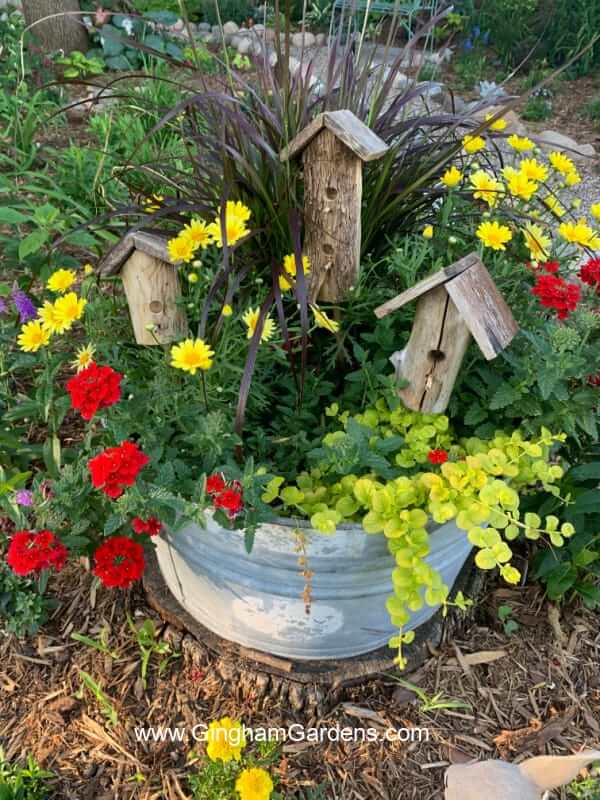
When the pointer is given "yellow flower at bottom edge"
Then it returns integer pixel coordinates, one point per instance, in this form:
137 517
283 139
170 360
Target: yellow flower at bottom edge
251 317
33 336
225 740
580 233
192 355
494 235
181 248
289 266
452 177
254 784
68 309
61 280
537 242
84 357
323 321
427 232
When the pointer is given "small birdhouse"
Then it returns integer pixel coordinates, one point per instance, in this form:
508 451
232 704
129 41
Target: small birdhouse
334 147
151 286
453 304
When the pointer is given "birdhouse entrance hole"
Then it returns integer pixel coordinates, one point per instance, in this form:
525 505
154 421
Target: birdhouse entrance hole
437 355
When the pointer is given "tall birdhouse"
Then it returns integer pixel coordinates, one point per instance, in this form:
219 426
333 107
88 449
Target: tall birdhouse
453 304
334 147
151 286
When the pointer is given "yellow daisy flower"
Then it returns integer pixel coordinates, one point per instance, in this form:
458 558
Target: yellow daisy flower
192 277
50 319
192 355
572 178
153 203
323 321
561 162
227 310
236 217
33 336
533 170
68 309
537 242
289 266
251 319
452 177
225 740
61 280
473 144
84 357
254 784
180 249
88 269
427 232
520 186
494 235
580 233
499 125
197 233
520 143
486 187
551 202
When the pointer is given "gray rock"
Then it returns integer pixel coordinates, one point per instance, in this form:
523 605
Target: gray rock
305 39
439 57
178 26
260 29
230 28
553 140
207 37
245 46
270 35
216 29
235 40
416 59
321 39
204 26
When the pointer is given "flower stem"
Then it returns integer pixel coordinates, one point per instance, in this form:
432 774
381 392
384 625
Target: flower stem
204 390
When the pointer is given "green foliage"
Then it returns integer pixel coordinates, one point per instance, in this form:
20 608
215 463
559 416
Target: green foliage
115 42
587 789
23 608
592 109
318 16
24 782
429 703
79 66
538 108
235 10
146 638
216 779
509 625
104 702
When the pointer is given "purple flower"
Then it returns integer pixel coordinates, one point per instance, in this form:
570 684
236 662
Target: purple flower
24 497
24 305
3 306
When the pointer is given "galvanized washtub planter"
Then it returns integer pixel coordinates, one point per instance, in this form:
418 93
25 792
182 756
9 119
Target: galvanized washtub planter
257 600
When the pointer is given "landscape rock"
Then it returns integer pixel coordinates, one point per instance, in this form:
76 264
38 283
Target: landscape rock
245 46
205 27
178 26
553 140
305 39
230 28
415 59
321 39
269 35
216 29
439 57
235 40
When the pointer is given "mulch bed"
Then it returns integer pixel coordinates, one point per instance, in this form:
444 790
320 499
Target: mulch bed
533 693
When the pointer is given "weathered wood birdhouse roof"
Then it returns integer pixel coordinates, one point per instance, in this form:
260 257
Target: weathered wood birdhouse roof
152 243
346 126
477 298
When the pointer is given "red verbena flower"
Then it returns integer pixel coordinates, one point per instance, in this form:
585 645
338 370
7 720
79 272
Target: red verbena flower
152 526
437 456
31 552
554 292
116 468
215 484
229 500
119 561
594 380
93 388
590 273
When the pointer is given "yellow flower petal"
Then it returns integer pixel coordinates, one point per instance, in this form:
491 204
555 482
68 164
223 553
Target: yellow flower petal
192 355
33 336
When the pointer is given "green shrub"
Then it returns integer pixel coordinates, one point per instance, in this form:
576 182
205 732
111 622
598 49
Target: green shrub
18 782
22 608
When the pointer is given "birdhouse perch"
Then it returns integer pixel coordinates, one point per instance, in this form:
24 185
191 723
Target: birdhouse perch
453 304
151 286
334 147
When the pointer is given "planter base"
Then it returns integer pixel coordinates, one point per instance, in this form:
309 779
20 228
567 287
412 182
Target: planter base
267 669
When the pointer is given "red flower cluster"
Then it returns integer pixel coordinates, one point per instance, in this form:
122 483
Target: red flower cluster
31 552
594 380
116 468
93 388
119 561
590 273
152 526
226 497
437 456
554 292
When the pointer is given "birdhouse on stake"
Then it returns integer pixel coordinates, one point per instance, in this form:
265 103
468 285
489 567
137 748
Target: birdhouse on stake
151 286
334 147
453 304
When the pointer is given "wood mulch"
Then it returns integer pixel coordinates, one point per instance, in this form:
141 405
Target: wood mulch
535 692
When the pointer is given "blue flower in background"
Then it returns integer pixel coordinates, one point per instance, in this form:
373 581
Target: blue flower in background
476 32
469 44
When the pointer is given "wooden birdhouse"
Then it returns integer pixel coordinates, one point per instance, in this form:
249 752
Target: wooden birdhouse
334 147
453 304
151 286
